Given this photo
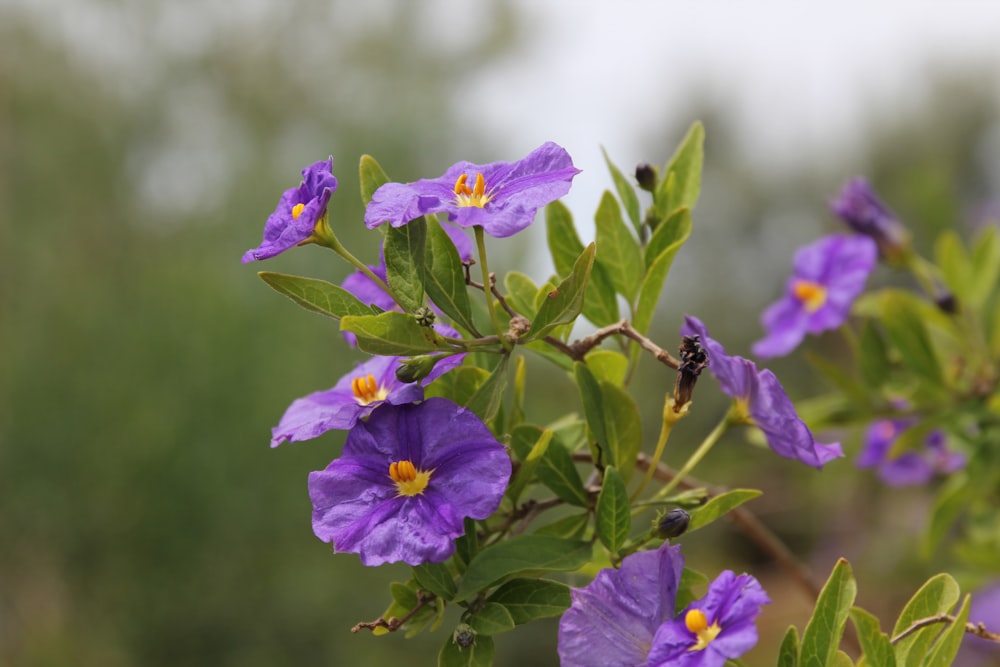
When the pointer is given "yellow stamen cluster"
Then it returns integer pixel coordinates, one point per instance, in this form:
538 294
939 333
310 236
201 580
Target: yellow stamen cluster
297 211
409 481
366 389
812 294
697 623
477 196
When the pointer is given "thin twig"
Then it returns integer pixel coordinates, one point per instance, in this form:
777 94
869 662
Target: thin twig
392 623
977 629
578 349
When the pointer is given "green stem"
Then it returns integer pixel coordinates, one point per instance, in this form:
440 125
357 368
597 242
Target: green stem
696 457
669 419
487 285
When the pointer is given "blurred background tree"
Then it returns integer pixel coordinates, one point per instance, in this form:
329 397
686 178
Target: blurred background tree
143 519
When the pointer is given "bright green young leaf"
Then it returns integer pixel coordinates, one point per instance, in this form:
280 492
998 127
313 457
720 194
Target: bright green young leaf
955 266
625 192
907 331
480 654
491 619
788 654
677 228
685 166
600 305
372 177
404 262
822 634
564 303
404 599
985 266
719 505
949 504
841 659
436 578
937 596
487 398
622 426
875 643
392 333
608 366
524 554
529 444
318 296
618 250
444 276
530 599
521 292
943 654
614 516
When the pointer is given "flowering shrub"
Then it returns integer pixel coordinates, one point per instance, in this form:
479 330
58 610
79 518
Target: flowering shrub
445 468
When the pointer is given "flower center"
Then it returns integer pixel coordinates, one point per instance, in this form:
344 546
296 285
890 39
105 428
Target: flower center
477 196
812 295
366 389
409 481
297 211
697 623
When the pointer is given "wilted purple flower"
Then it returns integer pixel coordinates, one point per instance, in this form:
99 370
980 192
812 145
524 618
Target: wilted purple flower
859 206
764 400
299 210
501 197
406 480
714 629
828 276
985 609
625 617
911 467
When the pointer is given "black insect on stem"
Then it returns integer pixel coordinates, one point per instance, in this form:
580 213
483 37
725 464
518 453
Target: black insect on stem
694 359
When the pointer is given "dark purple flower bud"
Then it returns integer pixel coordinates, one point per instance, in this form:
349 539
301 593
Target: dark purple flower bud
673 523
864 212
647 176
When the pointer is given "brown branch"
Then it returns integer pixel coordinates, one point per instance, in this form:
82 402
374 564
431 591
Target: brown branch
977 629
392 623
579 349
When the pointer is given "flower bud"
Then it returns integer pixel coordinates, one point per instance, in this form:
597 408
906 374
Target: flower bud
647 176
417 368
425 316
864 212
672 523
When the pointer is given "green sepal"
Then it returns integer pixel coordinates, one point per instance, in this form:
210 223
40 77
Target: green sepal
824 630
719 506
614 516
618 250
318 296
563 305
393 334
444 276
372 177
530 599
403 250
625 192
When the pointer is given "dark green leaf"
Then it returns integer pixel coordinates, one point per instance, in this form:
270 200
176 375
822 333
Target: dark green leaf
318 296
719 505
873 357
937 596
676 229
691 580
593 411
491 619
404 262
835 373
622 424
529 444
392 333
563 304
372 177
436 578
618 251
480 654
529 599
825 628
614 515
523 554
600 305
625 192
788 654
558 472
444 276
458 385
486 400
875 643
949 504
572 527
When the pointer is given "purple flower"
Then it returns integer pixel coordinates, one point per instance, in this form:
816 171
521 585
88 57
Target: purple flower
859 206
714 629
625 618
502 197
298 212
405 482
910 467
762 398
985 609
828 275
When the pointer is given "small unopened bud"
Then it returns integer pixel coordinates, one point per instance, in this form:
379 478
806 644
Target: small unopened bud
672 523
946 302
417 368
464 635
863 211
694 359
647 176
425 316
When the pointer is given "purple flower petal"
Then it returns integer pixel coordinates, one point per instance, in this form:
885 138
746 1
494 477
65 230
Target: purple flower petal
909 468
286 228
863 211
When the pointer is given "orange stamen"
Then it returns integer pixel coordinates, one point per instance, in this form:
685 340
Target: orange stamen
811 294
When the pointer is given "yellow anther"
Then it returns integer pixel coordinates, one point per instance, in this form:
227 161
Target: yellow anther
409 481
810 293
697 623
460 187
366 389
471 197
297 211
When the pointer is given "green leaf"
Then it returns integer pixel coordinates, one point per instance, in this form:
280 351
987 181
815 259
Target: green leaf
625 192
954 262
907 331
985 266
558 472
480 654
949 504
608 366
572 527
444 276
521 555
685 166
614 516
529 444
318 296
530 599
841 659
404 262
593 411
950 641
622 424
372 177
719 505
834 373
491 619
618 251
874 642
521 292
600 305
823 632
436 578
937 596
660 253
565 302
873 357
486 400
788 654
458 385
393 334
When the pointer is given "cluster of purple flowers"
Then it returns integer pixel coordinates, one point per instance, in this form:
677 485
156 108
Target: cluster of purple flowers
911 467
